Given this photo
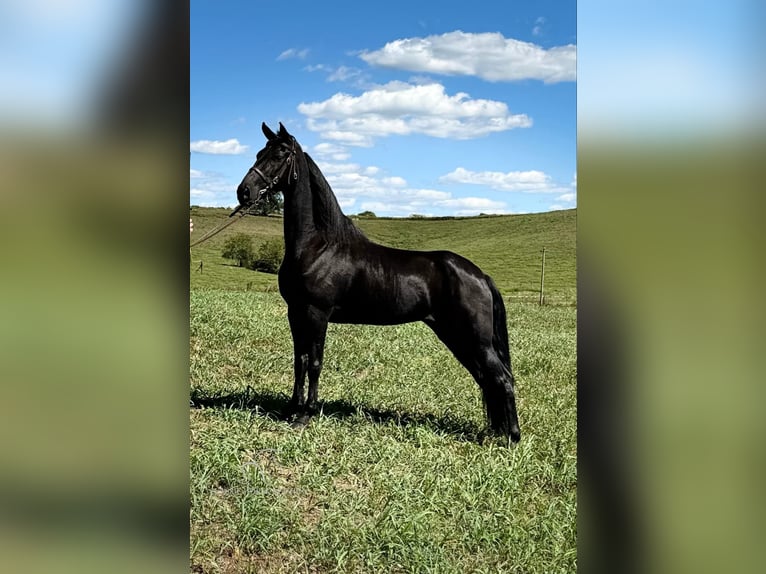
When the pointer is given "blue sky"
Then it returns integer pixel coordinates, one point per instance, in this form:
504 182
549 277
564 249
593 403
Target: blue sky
407 107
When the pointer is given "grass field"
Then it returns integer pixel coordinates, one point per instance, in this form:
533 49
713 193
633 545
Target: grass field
394 475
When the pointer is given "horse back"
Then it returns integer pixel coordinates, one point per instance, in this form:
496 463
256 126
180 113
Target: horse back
390 286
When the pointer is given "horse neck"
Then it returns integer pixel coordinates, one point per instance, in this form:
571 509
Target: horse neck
298 215
328 217
311 210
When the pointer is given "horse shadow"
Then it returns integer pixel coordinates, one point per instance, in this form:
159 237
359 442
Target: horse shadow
275 406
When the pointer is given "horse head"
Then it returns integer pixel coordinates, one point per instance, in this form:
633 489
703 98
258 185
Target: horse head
274 168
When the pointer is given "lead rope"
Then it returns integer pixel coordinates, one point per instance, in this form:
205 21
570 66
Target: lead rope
217 230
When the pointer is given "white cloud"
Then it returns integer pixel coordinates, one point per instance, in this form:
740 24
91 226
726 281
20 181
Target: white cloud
463 206
336 168
211 189
293 53
532 181
396 181
538 29
208 198
345 137
489 56
474 205
399 108
389 195
355 76
344 73
228 147
566 200
331 151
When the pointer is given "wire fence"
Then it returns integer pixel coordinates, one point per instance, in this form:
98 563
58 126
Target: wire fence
553 300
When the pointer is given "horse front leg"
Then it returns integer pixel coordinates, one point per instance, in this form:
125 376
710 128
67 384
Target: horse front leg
309 337
300 362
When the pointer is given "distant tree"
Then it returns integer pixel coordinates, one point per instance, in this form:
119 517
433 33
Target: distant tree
269 257
417 216
270 204
240 248
368 214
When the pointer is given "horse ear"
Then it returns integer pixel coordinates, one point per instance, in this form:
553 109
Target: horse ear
270 135
282 131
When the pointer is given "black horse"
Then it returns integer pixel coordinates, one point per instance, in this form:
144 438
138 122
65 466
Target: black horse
331 272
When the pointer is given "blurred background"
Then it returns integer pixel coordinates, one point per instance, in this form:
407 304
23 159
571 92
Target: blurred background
94 295
670 281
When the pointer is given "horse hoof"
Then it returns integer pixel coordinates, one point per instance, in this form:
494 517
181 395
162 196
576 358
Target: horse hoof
300 422
515 434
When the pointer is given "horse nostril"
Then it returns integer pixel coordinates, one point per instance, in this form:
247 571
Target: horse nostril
243 194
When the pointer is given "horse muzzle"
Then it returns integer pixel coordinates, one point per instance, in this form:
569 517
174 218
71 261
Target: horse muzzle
245 195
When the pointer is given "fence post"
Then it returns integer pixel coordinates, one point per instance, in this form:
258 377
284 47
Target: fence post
542 280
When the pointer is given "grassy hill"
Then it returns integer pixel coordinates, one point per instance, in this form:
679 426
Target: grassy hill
506 247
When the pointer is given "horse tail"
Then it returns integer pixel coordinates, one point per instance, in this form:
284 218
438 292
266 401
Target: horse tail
499 395
499 325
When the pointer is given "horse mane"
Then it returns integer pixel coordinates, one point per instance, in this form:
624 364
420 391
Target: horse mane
329 220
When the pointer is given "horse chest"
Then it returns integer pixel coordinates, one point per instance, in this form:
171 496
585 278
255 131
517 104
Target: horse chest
313 283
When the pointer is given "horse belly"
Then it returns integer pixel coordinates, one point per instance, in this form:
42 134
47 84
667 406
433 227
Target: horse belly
373 316
383 306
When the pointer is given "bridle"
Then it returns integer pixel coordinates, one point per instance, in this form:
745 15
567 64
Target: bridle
248 208
292 175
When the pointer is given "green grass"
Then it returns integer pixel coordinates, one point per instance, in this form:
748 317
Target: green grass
392 476
396 474
506 247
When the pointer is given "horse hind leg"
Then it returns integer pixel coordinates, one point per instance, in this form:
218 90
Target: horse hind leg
497 390
316 358
486 367
300 366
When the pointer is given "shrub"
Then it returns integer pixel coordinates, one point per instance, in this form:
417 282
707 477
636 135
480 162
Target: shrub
240 248
269 256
